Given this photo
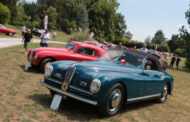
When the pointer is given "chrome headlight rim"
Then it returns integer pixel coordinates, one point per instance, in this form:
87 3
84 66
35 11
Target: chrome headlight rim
95 86
48 70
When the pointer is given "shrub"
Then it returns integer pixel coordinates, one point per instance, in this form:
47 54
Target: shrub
180 52
80 36
4 14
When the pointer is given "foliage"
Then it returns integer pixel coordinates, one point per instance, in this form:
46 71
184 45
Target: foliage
180 52
11 4
104 21
176 42
80 36
81 16
120 26
52 17
147 39
158 37
21 18
4 14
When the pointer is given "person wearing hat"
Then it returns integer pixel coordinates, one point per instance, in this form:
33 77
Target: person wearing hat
44 39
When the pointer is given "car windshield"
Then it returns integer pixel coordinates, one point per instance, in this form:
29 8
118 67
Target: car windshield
71 46
130 57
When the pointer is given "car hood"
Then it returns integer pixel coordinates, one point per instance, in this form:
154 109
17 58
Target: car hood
51 49
113 66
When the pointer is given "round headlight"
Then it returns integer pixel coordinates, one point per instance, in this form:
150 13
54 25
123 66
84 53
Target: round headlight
48 70
95 86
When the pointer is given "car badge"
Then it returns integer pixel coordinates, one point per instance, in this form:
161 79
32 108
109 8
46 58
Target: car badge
57 75
83 84
64 86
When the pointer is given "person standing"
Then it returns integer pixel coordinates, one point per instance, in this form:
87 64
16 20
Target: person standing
144 49
54 36
172 61
177 62
23 29
164 62
27 38
44 39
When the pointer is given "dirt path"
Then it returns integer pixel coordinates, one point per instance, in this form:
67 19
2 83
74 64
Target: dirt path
8 42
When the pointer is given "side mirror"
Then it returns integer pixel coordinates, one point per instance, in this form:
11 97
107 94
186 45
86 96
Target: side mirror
123 61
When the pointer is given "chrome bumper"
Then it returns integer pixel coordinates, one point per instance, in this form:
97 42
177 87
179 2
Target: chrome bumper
68 94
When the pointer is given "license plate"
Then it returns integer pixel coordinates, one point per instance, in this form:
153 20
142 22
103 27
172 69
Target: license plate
56 102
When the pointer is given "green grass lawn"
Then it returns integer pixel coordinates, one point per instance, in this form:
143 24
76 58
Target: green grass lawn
61 36
22 98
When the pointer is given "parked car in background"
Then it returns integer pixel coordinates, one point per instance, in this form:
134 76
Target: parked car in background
76 51
37 32
120 76
6 31
96 44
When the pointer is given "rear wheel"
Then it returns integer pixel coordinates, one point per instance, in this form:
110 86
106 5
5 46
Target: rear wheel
164 94
44 63
113 101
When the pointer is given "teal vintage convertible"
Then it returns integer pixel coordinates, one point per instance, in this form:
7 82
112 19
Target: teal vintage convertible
118 77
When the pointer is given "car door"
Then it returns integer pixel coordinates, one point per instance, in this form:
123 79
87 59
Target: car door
153 80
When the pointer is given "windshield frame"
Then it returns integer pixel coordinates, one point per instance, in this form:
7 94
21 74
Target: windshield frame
141 66
70 48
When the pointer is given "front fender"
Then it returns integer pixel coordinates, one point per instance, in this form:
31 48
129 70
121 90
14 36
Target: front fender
108 83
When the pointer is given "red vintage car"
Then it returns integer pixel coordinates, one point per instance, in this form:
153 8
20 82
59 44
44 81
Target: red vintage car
7 31
76 51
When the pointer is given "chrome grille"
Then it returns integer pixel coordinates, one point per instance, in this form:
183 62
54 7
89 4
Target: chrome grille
69 74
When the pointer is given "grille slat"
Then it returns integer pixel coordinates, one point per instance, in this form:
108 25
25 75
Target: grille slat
69 74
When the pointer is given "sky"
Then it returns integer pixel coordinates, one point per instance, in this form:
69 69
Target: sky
145 17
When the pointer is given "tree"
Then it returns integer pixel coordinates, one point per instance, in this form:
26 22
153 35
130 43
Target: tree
147 39
120 27
11 4
81 16
158 37
4 14
52 17
21 18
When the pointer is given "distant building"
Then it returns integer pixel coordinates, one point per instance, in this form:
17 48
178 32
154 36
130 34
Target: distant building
128 35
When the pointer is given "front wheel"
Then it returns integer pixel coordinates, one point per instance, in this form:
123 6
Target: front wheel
10 34
164 94
113 101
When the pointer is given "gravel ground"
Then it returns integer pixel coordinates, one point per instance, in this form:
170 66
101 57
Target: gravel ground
8 42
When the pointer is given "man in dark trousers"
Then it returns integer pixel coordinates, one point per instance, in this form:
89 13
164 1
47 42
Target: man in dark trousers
27 39
172 61
177 62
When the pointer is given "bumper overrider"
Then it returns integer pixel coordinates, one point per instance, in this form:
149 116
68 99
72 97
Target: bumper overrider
69 94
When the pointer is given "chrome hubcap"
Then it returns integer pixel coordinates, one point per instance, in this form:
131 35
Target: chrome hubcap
115 99
46 64
165 91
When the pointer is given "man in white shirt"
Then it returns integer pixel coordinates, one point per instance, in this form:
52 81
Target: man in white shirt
23 30
144 49
44 39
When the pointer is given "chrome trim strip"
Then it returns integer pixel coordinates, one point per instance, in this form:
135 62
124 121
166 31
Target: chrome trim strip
144 97
53 80
68 94
80 90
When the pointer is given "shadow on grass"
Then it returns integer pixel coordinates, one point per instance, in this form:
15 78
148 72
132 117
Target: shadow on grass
72 109
75 110
33 69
